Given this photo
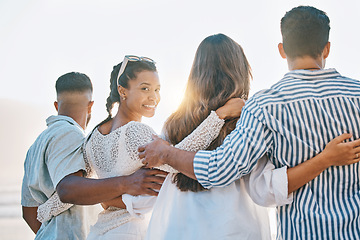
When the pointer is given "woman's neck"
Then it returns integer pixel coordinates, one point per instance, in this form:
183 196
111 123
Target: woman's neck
123 117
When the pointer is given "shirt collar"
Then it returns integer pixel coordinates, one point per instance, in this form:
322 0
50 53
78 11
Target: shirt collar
309 74
56 118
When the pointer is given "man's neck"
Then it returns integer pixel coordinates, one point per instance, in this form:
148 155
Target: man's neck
306 63
79 118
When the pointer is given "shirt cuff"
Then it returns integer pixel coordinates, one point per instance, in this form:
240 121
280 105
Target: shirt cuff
280 187
201 168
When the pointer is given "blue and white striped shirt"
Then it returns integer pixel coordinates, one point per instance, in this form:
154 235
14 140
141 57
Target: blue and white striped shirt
292 122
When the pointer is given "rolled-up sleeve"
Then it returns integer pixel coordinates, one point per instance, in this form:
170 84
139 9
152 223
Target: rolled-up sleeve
267 185
237 155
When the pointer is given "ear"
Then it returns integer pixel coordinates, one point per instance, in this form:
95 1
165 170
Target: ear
326 50
281 50
91 103
56 106
122 91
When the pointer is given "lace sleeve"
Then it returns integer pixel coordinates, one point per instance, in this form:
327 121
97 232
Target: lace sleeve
51 208
203 135
136 135
200 138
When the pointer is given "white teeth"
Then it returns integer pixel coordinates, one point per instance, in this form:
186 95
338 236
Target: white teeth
150 106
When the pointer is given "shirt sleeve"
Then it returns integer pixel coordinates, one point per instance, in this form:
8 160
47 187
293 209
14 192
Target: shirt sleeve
238 154
267 186
65 154
27 199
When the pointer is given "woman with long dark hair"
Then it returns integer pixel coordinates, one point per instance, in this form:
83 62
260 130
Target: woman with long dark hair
184 209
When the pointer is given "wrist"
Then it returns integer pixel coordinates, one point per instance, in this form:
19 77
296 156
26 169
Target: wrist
220 113
122 184
167 153
324 161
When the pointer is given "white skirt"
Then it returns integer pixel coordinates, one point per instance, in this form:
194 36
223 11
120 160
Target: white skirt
225 213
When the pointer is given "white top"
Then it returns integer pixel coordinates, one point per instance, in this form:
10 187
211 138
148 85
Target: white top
115 154
221 212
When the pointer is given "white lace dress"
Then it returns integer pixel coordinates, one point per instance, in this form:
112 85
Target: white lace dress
115 154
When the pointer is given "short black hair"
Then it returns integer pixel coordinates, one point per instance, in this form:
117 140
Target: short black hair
305 32
73 82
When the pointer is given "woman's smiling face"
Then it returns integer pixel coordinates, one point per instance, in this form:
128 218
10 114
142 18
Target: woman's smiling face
142 95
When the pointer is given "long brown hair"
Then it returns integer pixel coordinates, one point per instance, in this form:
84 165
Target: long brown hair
220 71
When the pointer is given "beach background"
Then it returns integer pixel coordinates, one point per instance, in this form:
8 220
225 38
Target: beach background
42 39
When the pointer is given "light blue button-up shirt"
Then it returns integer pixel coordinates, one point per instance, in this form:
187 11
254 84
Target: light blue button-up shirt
55 154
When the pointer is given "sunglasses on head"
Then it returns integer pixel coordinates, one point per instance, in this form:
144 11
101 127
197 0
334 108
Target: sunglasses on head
131 58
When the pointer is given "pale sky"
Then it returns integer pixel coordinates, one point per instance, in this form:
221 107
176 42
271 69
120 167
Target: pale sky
43 39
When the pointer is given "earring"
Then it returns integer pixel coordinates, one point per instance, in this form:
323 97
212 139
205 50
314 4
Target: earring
124 98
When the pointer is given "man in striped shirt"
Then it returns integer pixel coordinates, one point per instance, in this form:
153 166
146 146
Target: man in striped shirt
291 122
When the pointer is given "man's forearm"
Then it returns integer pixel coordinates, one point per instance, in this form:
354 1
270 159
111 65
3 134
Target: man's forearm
181 160
29 215
85 191
76 189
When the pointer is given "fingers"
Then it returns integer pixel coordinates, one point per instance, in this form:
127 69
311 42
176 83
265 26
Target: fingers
151 192
141 148
153 183
146 164
342 137
154 186
157 172
356 143
156 179
357 150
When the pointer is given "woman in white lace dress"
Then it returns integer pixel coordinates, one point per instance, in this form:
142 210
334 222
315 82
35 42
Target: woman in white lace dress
111 148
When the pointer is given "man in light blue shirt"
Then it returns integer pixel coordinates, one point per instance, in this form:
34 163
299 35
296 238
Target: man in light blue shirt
56 157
